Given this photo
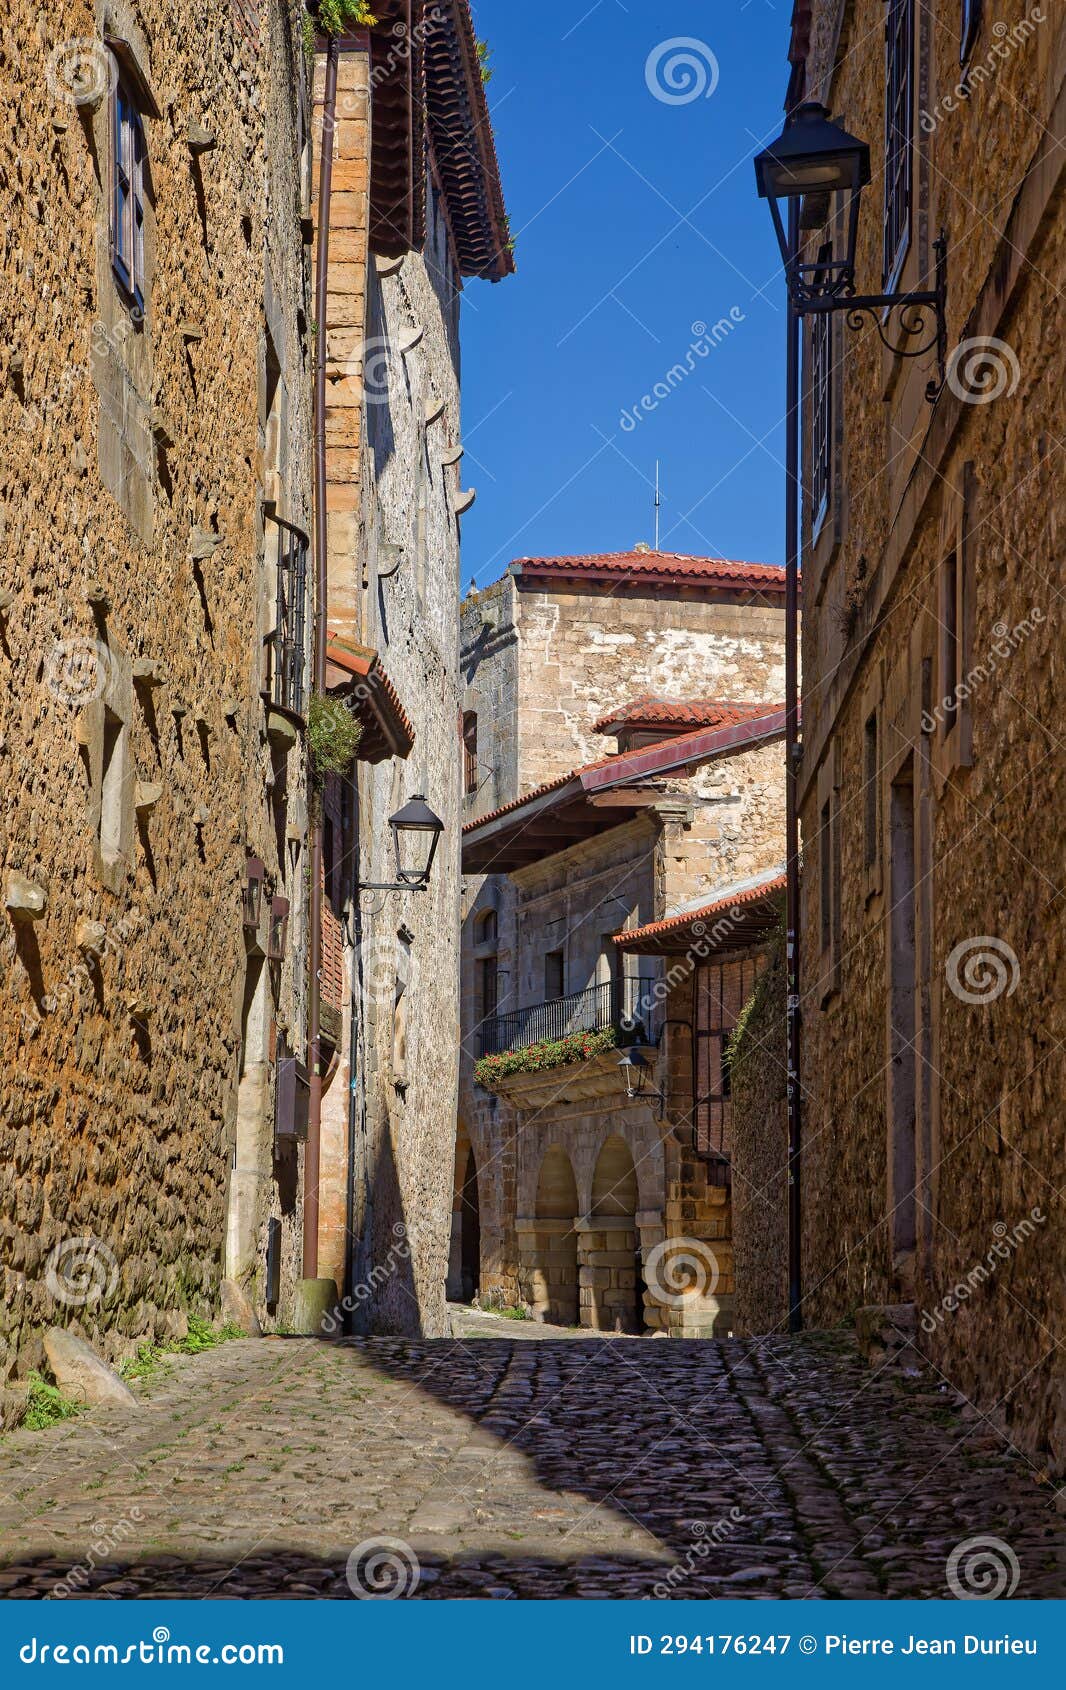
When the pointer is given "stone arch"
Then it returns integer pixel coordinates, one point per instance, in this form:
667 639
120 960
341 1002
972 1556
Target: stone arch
464 1259
549 1246
612 1288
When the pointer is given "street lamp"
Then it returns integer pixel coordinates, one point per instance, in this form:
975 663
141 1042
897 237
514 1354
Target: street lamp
416 834
636 1070
813 160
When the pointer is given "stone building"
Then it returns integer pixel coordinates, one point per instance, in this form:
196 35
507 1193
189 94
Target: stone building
416 210
932 948
560 657
154 506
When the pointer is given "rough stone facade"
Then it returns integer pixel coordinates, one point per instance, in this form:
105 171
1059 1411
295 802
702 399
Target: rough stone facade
760 1160
393 430
144 451
932 773
541 667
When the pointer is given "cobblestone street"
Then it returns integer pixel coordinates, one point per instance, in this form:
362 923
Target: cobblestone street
505 1468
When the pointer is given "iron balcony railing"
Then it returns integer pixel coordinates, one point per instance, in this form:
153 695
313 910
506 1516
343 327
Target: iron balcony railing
614 1004
288 642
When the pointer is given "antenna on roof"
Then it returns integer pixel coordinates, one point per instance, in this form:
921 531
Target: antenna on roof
658 504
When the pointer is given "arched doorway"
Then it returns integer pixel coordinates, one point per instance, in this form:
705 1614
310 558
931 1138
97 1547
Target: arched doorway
614 1300
552 1277
470 1232
464 1255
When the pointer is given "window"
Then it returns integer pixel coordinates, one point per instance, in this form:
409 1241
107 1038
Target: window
950 669
722 990
127 194
825 835
488 987
971 26
899 134
554 975
470 780
821 399
829 877
871 789
488 928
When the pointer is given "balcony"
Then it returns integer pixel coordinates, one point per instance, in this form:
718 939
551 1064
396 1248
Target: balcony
288 643
614 1004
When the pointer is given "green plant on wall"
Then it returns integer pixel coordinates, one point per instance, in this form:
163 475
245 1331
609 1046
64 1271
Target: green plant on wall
333 17
550 1053
333 736
484 59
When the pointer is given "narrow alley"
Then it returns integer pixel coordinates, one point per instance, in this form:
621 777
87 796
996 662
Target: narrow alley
495 1467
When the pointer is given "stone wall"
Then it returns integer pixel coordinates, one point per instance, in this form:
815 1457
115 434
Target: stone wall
760 1160
942 564
136 591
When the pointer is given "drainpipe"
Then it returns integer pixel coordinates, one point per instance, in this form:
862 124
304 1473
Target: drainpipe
792 754
312 1153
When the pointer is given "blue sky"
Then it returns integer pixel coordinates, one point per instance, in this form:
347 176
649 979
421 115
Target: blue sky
636 223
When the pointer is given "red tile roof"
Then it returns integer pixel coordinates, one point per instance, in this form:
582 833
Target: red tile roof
664 757
692 924
661 568
648 711
464 148
387 728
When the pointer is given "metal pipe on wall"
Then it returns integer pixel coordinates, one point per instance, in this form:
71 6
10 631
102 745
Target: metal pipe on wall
792 832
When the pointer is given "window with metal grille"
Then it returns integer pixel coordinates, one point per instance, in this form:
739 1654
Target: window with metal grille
127 193
289 639
722 990
470 781
899 134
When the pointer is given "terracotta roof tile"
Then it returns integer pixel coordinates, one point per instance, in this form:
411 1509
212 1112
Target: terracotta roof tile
765 889
662 757
649 711
652 566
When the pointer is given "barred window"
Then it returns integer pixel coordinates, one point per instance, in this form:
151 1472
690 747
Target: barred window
899 134
127 194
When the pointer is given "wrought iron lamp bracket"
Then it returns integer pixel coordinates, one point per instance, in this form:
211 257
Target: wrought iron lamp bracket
909 325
